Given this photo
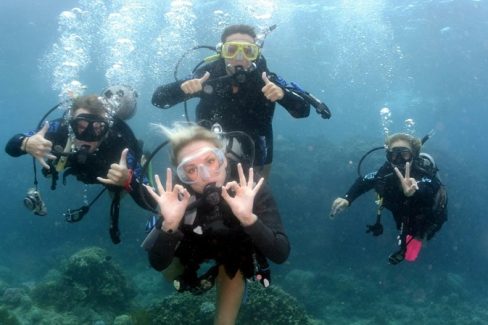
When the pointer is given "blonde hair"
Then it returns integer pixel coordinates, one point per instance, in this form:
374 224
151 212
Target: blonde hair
182 134
415 143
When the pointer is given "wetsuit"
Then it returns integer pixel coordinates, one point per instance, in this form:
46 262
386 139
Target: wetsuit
88 166
246 110
414 213
214 233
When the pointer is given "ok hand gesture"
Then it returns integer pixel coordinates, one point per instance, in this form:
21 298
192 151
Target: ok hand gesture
243 201
172 201
409 184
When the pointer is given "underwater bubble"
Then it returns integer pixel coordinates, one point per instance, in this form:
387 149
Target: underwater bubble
85 195
445 29
124 45
72 89
77 11
385 111
70 64
409 122
67 19
410 125
180 4
114 17
116 70
386 120
263 16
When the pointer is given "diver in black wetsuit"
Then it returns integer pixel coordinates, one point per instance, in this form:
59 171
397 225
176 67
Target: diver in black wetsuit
238 92
92 145
407 186
214 214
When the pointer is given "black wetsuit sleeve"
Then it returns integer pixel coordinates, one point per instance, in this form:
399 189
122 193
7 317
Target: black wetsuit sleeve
360 186
13 147
268 233
163 250
169 95
294 104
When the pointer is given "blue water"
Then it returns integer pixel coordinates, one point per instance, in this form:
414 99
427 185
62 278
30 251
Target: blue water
424 60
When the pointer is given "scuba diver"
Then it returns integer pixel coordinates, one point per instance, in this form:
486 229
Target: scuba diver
408 186
213 213
92 143
237 90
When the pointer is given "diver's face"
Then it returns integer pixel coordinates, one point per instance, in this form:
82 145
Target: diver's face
92 145
399 153
199 164
240 59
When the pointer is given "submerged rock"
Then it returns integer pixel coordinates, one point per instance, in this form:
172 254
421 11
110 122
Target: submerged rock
89 279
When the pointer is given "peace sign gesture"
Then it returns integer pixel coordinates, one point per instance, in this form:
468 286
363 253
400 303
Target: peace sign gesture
409 184
243 201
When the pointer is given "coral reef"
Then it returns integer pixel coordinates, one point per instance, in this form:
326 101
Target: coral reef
378 295
271 306
88 289
89 278
8 318
264 306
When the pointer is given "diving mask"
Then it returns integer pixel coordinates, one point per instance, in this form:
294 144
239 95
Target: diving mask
399 155
230 50
89 127
205 163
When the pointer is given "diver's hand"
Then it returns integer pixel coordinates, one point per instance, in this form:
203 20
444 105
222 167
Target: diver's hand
270 90
338 206
243 201
39 147
194 85
172 202
118 174
409 184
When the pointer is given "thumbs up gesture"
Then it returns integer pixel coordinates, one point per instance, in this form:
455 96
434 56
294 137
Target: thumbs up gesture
118 174
39 147
270 90
194 85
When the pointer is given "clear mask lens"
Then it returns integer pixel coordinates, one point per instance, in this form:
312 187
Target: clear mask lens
204 164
